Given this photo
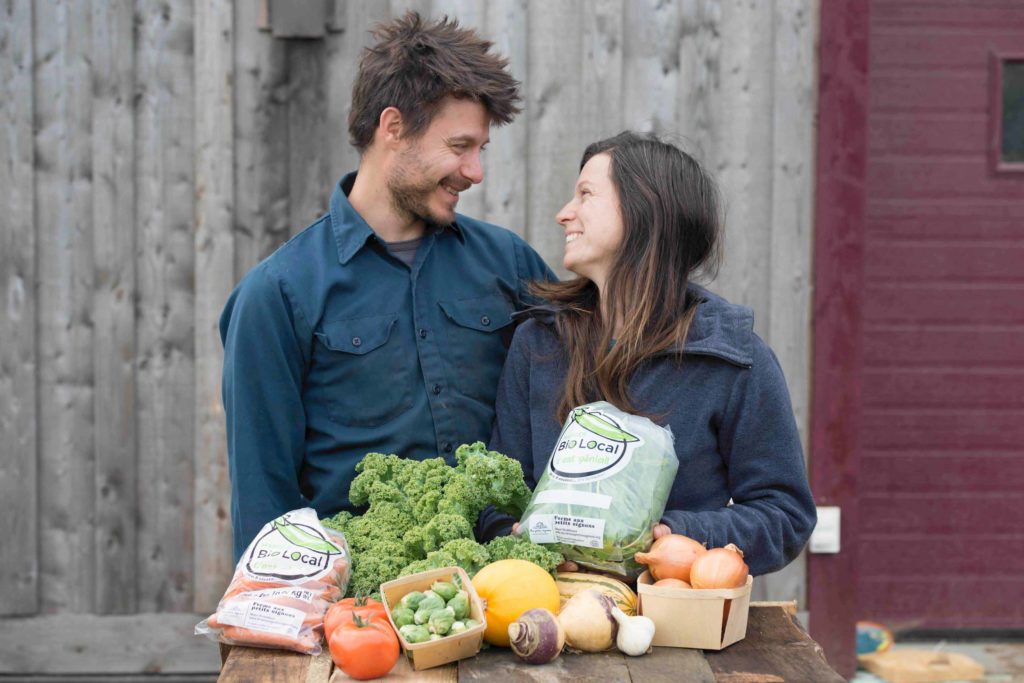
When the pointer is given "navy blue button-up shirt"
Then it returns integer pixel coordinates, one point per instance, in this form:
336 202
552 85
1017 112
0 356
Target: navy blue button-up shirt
333 348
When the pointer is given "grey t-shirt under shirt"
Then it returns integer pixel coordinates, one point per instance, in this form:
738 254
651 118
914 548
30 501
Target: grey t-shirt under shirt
405 250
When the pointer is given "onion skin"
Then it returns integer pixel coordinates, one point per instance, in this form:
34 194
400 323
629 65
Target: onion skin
536 636
720 568
671 557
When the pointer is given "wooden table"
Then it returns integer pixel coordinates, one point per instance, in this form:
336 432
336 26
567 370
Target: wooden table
776 650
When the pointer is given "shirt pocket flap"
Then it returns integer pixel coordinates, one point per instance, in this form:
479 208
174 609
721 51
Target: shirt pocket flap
358 336
485 313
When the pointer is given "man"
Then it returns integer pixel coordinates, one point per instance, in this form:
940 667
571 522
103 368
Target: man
383 326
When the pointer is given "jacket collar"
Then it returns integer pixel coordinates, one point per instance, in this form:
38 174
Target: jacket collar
350 230
719 328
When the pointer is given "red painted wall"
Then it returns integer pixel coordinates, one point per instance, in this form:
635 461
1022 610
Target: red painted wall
941 473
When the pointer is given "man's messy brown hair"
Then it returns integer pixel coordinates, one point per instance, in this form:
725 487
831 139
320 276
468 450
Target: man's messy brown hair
415 64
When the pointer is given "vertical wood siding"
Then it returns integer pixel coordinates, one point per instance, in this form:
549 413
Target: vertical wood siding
113 152
19 452
152 152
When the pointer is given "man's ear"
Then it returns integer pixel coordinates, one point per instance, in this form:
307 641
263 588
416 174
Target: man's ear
390 126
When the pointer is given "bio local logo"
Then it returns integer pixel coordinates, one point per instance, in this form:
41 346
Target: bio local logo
288 550
591 446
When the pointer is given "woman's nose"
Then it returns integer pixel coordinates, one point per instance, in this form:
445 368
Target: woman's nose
565 215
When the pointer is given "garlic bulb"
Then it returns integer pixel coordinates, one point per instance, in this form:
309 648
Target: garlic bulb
635 633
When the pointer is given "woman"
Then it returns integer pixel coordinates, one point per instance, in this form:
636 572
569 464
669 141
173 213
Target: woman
633 330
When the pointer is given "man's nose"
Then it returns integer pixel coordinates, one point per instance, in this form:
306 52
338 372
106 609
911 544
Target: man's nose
473 169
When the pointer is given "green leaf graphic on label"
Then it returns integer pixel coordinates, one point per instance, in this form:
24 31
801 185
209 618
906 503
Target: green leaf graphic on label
600 426
302 538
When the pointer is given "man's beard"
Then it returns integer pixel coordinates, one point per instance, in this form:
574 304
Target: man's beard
412 198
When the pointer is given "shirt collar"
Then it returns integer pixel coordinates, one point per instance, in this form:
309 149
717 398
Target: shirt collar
350 230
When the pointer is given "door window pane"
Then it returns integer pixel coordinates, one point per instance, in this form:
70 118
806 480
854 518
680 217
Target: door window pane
1012 143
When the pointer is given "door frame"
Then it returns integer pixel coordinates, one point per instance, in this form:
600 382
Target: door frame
837 313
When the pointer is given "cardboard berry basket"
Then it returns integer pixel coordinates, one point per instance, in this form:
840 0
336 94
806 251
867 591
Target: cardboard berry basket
450 648
688 617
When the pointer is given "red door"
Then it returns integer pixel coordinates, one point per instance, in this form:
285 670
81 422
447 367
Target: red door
940 491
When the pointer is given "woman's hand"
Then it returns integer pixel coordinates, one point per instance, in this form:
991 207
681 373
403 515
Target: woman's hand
567 565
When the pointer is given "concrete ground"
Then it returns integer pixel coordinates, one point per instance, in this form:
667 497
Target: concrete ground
1003 661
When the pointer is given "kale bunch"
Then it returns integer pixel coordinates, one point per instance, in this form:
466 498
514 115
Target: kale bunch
421 515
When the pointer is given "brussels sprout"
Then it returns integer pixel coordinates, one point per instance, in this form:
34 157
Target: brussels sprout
441 621
434 636
430 604
445 589
412 600
457 627
403 616
470 623
460 604
415 634
431 601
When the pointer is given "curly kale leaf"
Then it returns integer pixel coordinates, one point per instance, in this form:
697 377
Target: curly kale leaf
496 479
518 548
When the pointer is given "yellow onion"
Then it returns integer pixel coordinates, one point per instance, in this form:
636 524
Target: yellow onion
671 557
719 568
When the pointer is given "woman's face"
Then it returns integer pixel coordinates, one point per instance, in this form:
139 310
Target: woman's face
592 222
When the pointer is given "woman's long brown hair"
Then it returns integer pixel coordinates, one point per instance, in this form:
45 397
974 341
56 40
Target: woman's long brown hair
671 226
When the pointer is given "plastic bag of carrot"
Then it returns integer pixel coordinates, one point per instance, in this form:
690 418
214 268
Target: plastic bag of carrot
284 582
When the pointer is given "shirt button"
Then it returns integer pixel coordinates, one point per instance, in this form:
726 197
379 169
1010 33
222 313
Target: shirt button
437 388
447 447
356 341
423 333
485 320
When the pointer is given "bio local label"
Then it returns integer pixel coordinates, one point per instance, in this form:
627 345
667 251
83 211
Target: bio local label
291 547
592 446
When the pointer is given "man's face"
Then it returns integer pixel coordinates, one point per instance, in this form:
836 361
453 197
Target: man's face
432 169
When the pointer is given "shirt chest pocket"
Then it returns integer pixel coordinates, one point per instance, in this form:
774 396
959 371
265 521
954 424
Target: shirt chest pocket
479 331
361 373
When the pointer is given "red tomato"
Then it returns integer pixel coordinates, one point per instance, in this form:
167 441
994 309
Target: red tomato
364 648
343 609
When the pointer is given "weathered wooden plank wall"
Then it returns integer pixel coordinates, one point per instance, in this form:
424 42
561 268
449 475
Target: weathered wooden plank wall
19 443
154 151
113 150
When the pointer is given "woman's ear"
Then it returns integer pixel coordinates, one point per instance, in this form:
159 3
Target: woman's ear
390 126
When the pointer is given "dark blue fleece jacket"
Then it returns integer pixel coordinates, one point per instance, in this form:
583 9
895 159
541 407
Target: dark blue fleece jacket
724 398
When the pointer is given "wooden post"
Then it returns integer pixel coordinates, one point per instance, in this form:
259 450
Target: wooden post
214 250
789 279
552 112
165 333
64 219
505 162
113 153
19 525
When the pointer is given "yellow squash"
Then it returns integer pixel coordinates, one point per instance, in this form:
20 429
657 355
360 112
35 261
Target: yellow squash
509 588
